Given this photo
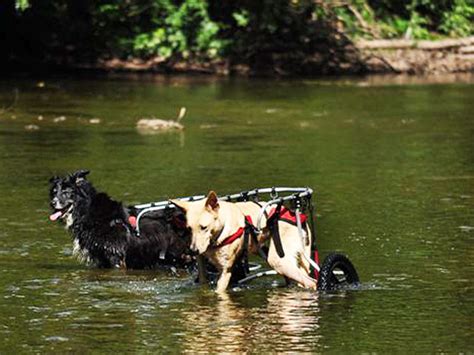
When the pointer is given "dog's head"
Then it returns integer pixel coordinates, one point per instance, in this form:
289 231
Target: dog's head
63 193
202 218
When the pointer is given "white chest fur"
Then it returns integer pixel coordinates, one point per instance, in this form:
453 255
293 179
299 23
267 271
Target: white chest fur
81 254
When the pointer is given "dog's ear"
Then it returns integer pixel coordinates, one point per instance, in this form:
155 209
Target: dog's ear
54 179
182 205
212 201
80 176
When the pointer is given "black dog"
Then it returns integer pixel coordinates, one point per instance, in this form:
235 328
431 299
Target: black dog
103 231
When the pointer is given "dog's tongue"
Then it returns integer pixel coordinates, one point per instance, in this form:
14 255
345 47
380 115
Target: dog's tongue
55 216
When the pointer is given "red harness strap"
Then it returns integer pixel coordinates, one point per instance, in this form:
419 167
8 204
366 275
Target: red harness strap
133 221
288 216
236 235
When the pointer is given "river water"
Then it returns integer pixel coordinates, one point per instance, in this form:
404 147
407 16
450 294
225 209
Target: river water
391 163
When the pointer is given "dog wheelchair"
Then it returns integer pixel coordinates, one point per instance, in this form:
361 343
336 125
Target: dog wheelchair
295 203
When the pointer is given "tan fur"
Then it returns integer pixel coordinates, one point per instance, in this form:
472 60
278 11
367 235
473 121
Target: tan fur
212 221
293 265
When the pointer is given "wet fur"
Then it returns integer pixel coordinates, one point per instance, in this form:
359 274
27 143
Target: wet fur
103 236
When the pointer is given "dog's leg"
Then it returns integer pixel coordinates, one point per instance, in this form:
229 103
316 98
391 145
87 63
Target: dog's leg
202 274
292 265
289 268
223 281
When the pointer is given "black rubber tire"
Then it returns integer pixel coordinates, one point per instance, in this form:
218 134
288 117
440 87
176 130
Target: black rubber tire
337 272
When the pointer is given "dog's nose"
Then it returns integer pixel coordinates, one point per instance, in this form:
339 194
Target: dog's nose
193 249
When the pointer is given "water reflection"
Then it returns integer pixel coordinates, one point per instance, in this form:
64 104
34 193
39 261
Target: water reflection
232 323
218 326
296 311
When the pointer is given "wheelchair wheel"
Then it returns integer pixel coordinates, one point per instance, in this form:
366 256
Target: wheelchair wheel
337 272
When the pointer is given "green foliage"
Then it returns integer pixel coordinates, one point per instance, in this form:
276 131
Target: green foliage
180 30
244 30
394 27
417 26
418 19
22 5
241 18
459 21
163 28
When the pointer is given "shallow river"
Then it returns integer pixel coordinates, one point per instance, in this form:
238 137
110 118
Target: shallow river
391 163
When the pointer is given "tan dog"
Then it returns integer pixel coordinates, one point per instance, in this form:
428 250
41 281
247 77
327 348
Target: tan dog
217 233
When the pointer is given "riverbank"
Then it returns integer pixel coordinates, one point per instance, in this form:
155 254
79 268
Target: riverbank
269 39
418 57
381 56
396 56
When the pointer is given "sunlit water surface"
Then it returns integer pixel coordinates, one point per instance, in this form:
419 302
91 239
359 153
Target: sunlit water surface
392 165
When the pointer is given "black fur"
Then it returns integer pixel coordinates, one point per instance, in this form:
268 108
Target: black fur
103 235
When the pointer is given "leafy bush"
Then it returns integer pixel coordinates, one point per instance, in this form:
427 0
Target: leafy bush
421 19
182 30
459 21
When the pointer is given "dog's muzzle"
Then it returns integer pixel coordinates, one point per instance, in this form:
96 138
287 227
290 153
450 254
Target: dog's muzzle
60 213
193 249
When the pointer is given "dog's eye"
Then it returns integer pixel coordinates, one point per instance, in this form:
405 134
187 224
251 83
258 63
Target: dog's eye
203 228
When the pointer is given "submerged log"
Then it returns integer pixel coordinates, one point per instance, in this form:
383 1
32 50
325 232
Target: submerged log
156 124
150 125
